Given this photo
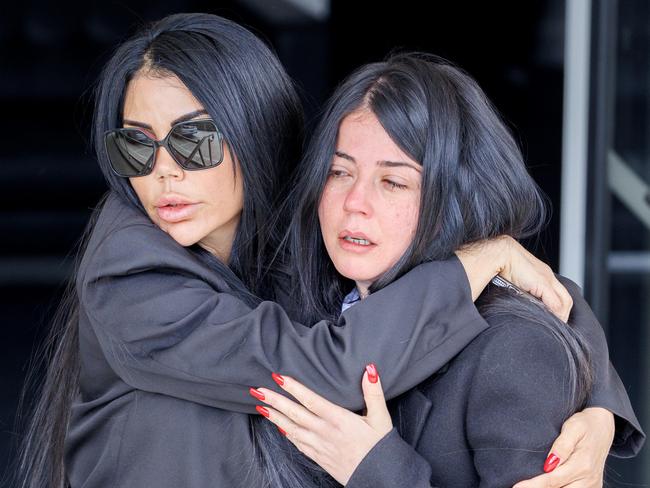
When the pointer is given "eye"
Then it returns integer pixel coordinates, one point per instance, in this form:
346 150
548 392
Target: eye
137 136
392 185
337 173
187 130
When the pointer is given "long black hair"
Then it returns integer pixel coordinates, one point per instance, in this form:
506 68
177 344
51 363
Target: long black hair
475 186
247 93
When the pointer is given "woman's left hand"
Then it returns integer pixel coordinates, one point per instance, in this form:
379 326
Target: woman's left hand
577 458
335 438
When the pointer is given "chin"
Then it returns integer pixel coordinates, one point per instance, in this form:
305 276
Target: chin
356 273
183 237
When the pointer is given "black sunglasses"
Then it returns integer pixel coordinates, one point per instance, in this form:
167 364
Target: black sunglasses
194 145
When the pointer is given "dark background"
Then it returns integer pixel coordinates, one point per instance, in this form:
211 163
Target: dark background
50 54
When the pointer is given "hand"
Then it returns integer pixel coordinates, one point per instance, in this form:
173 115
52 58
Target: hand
335 438
582 449
505 257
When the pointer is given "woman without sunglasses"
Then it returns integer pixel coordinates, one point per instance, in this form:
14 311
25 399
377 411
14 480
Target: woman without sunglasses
162 332
409 163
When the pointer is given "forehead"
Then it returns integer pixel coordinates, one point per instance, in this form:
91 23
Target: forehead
157 100
362 136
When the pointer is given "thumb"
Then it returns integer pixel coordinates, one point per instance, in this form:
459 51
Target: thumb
377 415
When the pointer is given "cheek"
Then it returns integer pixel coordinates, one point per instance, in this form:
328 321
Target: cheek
144 188
402 226
140 186
221 187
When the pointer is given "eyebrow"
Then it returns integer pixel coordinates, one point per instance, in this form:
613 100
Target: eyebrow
384 163
182 118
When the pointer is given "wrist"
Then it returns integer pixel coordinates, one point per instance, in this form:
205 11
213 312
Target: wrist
483 260
502 257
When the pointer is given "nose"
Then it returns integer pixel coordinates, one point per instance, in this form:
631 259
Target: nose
165 166
359 198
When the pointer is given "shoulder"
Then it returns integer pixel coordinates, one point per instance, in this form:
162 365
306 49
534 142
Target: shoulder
518 356
125 241
515 336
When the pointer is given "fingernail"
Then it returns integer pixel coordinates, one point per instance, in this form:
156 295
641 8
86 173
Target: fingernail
256 393
371 369
262 411
551 463
282 431
277 378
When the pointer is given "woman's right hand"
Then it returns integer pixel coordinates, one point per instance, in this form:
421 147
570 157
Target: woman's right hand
505 257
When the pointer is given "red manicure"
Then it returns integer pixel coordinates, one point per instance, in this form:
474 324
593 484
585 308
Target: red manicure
256 393
282 431
371 369
551 463
262 411
277 378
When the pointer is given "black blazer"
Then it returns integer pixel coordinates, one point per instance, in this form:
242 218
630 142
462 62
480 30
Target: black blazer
166 350
164 347
490 416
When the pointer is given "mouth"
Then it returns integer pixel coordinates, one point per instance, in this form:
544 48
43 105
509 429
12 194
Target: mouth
355 241
174 208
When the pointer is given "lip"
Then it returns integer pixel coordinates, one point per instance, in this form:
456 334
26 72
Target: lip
182 209
353 247
355 234
172 199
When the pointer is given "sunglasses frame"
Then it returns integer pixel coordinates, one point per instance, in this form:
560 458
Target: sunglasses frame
164 142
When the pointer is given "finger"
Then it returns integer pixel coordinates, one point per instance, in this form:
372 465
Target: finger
565 299
551 299
558 478
308 398
377 414
564 447
287 407
298 435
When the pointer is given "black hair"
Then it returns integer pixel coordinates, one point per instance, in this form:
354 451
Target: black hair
251 99
475 186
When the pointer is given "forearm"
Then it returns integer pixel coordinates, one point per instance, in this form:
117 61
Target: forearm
167 331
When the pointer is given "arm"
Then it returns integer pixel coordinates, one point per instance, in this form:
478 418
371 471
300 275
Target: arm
512 413
392 462
608 391
164 328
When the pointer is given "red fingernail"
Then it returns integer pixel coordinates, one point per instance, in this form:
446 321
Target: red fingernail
551 463
371 369
277 378
262 411
282 431
256 393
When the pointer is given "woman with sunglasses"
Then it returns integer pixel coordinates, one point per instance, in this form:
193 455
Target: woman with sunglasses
163 331
412 162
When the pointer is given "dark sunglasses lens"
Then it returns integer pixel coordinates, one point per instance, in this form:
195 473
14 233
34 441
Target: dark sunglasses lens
130 151
197 144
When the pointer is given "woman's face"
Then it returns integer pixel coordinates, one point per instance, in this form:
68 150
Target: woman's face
370 204
202 206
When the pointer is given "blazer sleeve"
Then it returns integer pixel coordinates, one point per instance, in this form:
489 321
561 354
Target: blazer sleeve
164 329
392 463
608 391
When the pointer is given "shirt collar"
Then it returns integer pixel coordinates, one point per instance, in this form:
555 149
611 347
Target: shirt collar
350 299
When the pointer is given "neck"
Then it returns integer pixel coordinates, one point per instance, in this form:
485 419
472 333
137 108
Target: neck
362 288
220 243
